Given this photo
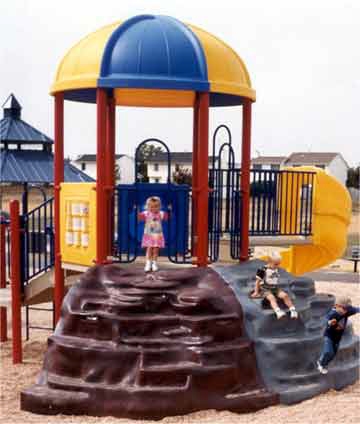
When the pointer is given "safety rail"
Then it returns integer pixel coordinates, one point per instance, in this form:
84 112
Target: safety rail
281 202
5 251
37 240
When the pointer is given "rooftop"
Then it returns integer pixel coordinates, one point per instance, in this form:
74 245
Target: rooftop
175 157
14 130
273 160
309 158
35 166
89 157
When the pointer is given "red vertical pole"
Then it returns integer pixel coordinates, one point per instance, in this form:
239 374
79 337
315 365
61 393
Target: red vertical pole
195 175
3 313
58 179
15 281
110 168
202 166
245 179
102 217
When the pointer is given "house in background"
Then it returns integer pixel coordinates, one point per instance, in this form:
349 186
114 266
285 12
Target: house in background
157 165
267 162
125 167
333 163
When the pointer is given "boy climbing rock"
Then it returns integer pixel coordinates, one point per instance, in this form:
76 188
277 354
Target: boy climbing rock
266 287
336 321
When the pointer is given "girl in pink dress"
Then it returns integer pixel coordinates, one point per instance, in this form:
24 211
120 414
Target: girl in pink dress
153 238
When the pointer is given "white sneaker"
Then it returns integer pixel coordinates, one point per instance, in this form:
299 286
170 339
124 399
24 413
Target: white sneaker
321 369
147 266
294 314
154 266
279 313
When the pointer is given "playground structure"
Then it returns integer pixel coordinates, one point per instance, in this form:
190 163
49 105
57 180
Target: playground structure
175 65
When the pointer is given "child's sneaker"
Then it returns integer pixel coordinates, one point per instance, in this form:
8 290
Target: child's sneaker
147 266
154 266
279 313
321 369
293 313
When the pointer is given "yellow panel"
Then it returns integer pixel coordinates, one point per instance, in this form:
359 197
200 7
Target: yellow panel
227 73
80 67
154 98
78 223
331 218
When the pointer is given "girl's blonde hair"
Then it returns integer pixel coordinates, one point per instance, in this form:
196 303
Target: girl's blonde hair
152 199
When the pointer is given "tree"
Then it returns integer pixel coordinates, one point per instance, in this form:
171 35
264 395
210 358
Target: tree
353 177
182 176
146 151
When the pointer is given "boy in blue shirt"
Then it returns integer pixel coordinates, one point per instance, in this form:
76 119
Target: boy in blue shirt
336 321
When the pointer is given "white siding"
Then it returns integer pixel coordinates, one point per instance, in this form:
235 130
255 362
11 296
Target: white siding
338 168
126 168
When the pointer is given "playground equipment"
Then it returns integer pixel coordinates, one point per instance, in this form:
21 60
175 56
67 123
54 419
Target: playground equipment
160 62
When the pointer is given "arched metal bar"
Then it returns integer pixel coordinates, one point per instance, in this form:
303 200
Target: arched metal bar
220 127
153 140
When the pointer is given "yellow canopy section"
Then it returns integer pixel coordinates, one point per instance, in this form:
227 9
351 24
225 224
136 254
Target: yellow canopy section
80 69
227 73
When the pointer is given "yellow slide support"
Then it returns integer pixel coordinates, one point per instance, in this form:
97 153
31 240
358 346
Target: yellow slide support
331 208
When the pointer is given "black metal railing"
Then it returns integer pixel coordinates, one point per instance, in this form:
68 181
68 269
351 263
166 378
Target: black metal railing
280 202
37 240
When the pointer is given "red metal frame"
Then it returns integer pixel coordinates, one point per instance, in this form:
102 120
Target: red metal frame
245 179
202 178
102 216
3 312
195 175
58 179
110 168
15 281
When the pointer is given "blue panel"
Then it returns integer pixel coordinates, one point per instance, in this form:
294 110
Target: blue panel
150 51
174 200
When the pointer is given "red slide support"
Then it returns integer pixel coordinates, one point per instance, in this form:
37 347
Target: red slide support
15 281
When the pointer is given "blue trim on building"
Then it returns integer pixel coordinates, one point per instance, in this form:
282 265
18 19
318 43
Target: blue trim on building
168 56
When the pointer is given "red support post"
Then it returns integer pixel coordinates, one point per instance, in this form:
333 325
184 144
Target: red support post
102 216
110 168
245 179
58 179
195 176
3 312
202 166
15 281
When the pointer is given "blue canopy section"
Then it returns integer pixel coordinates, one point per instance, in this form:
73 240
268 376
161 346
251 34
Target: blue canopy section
157 52
34 166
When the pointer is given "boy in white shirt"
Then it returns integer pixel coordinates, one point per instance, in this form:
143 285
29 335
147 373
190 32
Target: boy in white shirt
266 287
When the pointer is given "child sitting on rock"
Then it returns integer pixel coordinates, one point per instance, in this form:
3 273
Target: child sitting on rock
336 321
266 287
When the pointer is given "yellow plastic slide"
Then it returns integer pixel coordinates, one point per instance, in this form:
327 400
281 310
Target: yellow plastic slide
330 220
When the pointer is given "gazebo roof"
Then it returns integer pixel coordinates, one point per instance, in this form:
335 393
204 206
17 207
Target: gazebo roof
14 130
35 166
152 60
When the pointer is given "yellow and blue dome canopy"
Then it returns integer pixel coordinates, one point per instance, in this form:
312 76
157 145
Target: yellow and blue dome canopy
153 61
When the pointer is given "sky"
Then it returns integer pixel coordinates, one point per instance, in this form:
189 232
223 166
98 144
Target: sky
303 58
